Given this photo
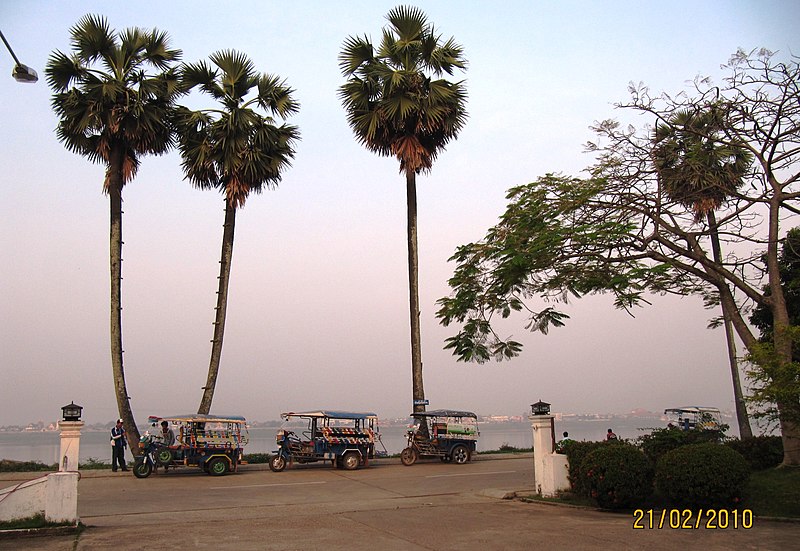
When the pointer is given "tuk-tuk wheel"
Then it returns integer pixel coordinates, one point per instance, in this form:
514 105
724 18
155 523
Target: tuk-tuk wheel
164 457
350 461
277 463
460 454
408 456
218 467
142 468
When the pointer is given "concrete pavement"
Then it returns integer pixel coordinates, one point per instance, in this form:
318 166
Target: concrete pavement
429 506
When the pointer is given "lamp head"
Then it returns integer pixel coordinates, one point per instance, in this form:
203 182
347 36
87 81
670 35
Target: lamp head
23 73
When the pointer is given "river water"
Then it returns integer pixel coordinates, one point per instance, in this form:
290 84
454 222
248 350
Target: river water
44 446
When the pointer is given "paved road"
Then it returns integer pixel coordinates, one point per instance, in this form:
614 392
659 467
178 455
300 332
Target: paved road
317 485
429 506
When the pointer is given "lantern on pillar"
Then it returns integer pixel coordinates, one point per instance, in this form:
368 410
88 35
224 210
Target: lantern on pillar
540 408
71 412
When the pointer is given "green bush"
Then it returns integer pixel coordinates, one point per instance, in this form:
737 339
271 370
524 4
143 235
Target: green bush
94 464
575 452
702 476
661 441
11 466
761 452
617 476
254 458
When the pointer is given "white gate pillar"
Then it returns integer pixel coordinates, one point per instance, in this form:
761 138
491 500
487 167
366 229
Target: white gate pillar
550 469
70 445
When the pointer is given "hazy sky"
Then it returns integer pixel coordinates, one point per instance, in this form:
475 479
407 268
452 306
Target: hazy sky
318 310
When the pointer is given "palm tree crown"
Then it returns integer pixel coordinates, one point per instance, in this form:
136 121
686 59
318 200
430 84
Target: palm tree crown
105 97
393 107
696 163
235 148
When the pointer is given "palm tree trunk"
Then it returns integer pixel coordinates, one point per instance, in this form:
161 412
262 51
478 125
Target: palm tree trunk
115 256
418 391
742 418
222 307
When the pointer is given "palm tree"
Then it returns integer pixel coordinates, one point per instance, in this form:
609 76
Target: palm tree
112 111
236 150
396 109
700 168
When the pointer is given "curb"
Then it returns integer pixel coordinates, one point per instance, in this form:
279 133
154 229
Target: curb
22 533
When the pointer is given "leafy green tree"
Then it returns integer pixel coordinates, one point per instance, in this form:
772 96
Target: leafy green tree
618 232
764 367
789 266
697 169
397 108
113 97
236 150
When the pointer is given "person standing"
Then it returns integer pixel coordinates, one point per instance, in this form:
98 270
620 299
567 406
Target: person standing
167 434
118 444
561 446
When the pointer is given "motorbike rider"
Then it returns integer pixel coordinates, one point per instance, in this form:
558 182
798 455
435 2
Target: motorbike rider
168 434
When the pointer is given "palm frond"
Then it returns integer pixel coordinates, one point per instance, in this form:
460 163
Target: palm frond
355 52
274 95
200 74
408 23
91 38
158 51
238 73
62 70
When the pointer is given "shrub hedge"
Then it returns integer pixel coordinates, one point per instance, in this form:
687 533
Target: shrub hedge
575 452
617 476
661 441
702 476
761 452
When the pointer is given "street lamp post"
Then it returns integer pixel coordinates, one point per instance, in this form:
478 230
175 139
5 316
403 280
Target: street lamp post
21 73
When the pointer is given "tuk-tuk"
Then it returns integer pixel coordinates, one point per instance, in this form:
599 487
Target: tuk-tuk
695 417
346 439
213 443
448 434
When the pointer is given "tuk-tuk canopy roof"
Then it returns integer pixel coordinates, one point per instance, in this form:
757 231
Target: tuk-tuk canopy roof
692 409
444 413
331 414
198 418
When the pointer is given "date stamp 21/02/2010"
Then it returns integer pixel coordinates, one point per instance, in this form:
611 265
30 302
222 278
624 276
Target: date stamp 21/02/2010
688 519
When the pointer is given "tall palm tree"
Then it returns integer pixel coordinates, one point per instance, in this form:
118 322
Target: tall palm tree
114 96
396 108
698 167
236 150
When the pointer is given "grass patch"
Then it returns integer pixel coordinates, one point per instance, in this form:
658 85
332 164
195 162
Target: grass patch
775 492
254 458
10 466
506 448
36 521
93 464
770 493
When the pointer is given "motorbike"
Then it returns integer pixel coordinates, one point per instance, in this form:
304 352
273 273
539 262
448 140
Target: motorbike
154 454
